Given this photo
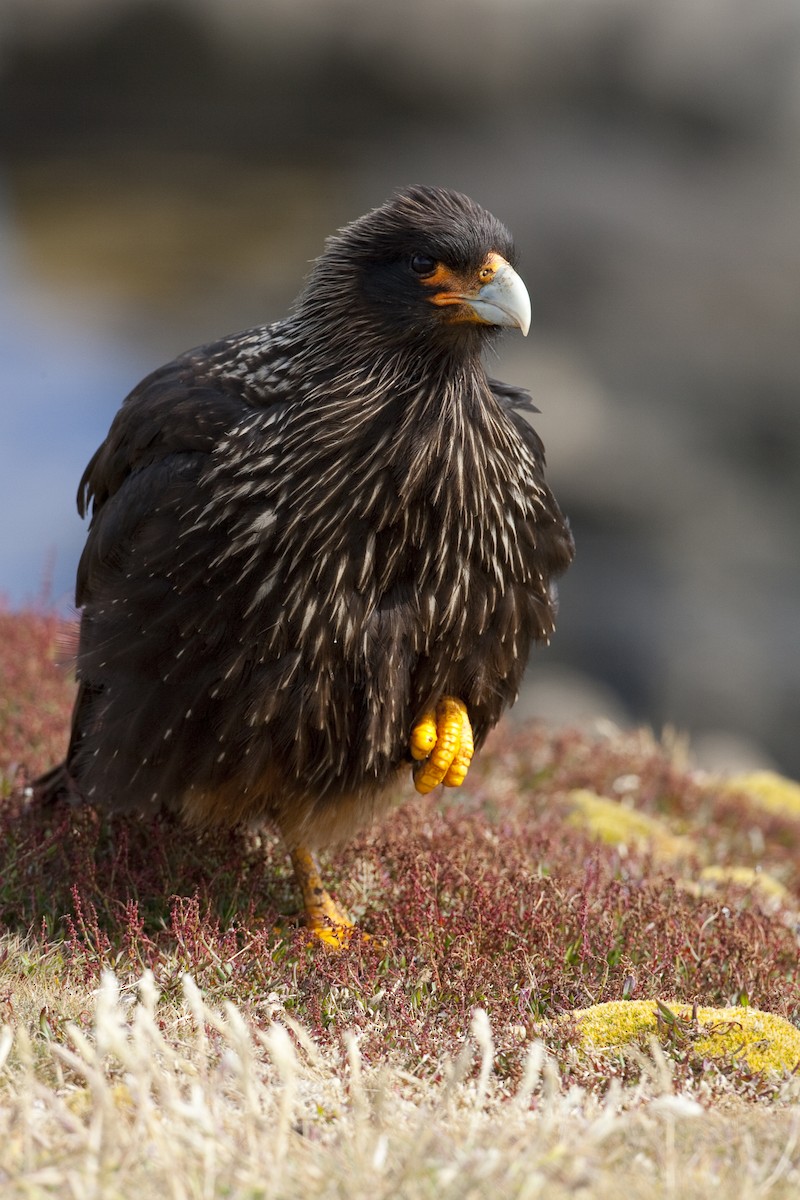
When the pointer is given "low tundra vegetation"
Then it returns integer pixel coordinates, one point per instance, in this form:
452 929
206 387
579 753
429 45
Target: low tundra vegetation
580 965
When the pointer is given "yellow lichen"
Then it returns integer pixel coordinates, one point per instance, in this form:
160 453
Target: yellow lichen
770 791
764 1041
611 822
767 884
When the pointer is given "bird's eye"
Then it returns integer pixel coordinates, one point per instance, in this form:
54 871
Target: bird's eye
423 264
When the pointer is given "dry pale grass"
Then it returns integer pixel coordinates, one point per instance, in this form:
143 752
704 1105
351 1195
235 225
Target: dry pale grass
184 1100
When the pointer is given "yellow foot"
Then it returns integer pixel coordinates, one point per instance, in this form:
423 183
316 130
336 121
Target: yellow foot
325 920
441 742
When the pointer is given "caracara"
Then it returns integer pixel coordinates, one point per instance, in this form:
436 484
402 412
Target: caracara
319 550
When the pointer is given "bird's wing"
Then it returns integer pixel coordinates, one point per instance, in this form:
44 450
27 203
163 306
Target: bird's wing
513 397
176 409
145 570
158 444
553 533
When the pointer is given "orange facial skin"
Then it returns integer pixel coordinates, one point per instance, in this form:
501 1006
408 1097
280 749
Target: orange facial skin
448 288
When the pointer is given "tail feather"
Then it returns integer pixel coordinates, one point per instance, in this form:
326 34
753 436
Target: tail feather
59 783
56 784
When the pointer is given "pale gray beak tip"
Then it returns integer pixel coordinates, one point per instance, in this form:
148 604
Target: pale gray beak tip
504 301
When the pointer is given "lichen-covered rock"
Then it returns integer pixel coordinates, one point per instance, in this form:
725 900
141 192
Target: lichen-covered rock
762 1040
748 877
613 823
768 790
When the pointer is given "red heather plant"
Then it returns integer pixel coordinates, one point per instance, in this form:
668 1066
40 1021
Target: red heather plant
36 693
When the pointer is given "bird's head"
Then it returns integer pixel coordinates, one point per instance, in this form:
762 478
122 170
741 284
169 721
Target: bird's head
429 268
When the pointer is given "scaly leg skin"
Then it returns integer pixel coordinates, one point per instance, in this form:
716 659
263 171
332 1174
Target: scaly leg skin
323 917
442 744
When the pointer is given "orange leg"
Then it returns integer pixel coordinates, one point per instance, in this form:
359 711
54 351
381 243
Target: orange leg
442 744
324 918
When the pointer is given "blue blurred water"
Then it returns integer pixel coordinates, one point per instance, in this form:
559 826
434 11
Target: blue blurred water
60 380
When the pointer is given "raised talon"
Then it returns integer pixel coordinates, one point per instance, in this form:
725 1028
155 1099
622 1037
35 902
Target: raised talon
451 753
457 772
423 736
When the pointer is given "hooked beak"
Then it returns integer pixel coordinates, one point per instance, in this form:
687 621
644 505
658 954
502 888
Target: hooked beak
504 300
496 297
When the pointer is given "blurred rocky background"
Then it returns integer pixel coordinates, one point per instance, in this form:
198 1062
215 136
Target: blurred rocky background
169 168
